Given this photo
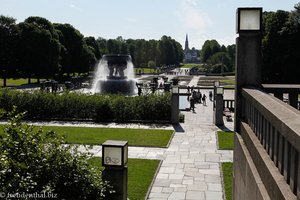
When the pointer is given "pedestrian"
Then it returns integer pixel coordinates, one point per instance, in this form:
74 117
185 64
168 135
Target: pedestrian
200 96
204 99
192 104
210 95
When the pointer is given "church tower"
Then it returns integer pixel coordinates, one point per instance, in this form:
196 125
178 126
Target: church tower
186 48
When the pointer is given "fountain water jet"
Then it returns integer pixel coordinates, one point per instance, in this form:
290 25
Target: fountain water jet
114 74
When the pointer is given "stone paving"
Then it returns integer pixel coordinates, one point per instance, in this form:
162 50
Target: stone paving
191 165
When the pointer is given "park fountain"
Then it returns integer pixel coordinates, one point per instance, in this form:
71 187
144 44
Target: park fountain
114 74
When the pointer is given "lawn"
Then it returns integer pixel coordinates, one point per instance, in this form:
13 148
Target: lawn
228 81
140 175
190 65
227 176
225 140
144 70
17 82
96 136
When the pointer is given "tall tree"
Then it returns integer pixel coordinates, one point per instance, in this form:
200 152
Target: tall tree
277 46
8 47
74 50
209 48
94 46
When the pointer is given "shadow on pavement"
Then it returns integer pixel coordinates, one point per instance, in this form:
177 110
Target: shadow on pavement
178 128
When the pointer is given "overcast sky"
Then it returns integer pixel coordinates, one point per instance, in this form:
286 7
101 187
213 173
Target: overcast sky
148 19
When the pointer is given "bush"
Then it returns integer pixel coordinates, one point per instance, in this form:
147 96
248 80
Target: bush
32 162
102 108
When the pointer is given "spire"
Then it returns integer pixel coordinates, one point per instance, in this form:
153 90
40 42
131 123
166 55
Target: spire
186 43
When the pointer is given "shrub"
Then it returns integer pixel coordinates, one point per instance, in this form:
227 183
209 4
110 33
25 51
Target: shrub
32 162
43 105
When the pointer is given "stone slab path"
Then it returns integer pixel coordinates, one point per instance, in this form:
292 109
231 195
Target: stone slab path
191 165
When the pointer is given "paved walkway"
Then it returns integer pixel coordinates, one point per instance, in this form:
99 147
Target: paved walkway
191 165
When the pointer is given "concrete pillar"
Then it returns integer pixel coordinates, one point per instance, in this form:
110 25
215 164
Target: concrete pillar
279 96
293 99
218 112
248 68
175 108
118 178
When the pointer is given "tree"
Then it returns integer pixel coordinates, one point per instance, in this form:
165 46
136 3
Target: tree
278 47
220 61
34 162
74 50
39 48
94 46
209 48
8 43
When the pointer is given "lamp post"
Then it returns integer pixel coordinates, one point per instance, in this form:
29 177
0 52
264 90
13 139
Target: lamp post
218 112
248 56
175 105
216 84
114 159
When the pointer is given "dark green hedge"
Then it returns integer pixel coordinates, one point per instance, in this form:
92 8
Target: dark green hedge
42 105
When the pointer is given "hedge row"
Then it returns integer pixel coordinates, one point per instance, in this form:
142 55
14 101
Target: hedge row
42 105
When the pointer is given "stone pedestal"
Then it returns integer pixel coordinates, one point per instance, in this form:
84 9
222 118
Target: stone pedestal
175 108
118 178
218 111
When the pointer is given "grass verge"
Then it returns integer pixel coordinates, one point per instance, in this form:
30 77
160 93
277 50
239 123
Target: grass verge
225 140
190 65
140 176
96 136
227 177
17 82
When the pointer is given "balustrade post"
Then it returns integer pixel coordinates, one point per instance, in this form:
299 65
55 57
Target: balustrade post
293 100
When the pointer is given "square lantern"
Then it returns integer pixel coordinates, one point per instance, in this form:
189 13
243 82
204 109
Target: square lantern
220 90
217 83
114 153
248 20
175 90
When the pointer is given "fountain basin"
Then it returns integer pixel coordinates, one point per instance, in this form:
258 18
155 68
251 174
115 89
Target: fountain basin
114 75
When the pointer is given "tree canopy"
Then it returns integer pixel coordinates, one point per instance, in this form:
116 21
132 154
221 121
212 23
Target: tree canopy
281 39
38 48
218 58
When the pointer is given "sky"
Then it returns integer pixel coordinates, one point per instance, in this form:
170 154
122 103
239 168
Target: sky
145 19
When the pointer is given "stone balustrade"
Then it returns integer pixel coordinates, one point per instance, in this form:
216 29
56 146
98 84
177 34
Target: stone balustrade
270 129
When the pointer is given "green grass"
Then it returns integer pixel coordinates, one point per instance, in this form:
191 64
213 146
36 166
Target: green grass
228 81
190 65
225 140
140 175
227 169
16 82
145 70
96 136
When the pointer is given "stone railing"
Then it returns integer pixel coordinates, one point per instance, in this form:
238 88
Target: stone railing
270 130
228 103
291 90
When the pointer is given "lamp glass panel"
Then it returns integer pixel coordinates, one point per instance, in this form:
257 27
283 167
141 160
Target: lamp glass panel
113 156
250 20
125 154
220 90
175 90
217 83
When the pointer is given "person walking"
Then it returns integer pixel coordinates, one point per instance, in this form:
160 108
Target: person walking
192 104
210 95
204 100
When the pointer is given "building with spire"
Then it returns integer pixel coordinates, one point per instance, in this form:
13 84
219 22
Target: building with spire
190 55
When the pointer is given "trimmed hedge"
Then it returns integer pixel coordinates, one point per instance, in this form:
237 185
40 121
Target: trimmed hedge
73 106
